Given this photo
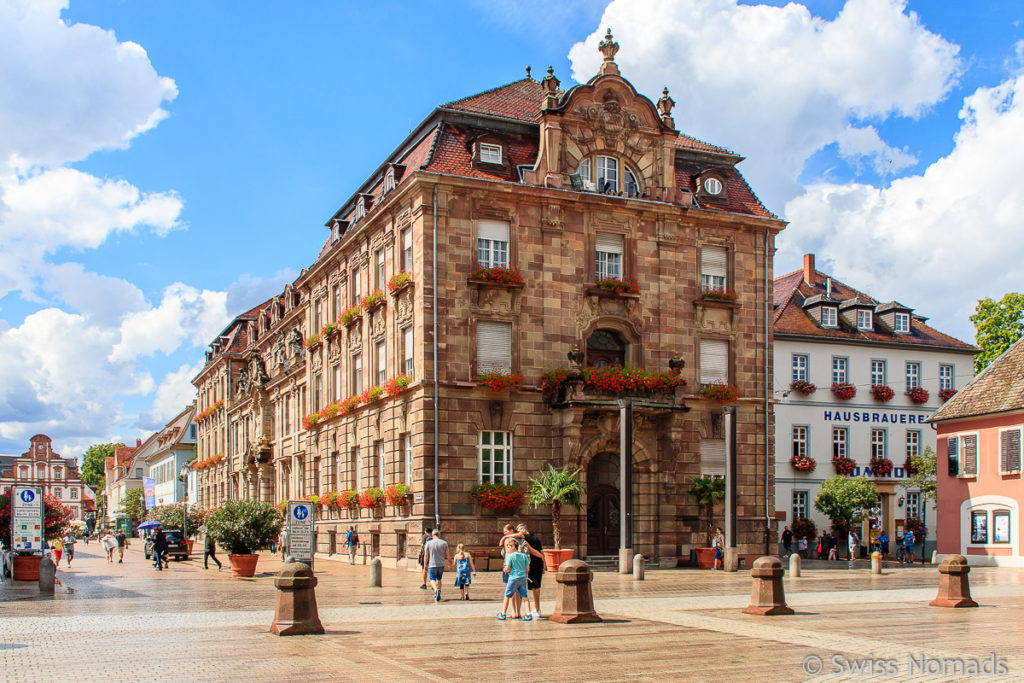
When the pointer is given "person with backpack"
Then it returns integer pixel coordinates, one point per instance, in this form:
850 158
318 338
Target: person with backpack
352 540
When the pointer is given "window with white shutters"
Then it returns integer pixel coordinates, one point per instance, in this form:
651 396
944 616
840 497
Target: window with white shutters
714 361
969 454
712 457
1009 451
493 347
608 257
492 244
713 269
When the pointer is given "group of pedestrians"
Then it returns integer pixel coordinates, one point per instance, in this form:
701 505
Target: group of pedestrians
828 543
63 547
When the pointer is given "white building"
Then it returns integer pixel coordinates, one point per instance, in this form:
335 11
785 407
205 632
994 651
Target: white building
839 340
175 446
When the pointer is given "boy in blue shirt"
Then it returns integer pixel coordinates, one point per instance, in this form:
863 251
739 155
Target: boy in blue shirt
516 564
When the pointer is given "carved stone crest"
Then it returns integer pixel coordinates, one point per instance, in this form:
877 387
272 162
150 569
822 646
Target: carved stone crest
377 326
355 339
403 306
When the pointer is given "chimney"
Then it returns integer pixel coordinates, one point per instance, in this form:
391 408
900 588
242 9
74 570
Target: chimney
809 276
138 442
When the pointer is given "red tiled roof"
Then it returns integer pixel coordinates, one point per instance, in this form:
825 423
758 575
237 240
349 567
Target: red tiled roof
739 197
998 389
688 142
519 100
791 318
453 154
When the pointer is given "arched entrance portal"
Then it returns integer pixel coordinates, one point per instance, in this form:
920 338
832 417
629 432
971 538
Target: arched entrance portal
603 507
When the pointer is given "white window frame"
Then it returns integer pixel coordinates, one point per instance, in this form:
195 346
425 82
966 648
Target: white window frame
913 441
489 452
840 370
490 153
840 442
492 244
799 502
829 316
714 269
1006 464
407 250
607 171
407 350
800 440
389 180
714 361
493 347
381 463
878 443
405 442
901 323
864 319
357 374
878 372
382 363
913 502
381 268
946 376
609 259
913 370
800 367
356 286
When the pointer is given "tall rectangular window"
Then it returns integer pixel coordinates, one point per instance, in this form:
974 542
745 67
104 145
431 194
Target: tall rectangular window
877 373
381 463
407 250
357 373
378 261
799 441
492 244
877 443
902 323
495 462
356 286
714 361
799 505
1009 451
840 436
608 257
799 367
945 376
607 174
407 363
913 375
913 443
864 320
493 347
287 415
318 315
339 385
318 394
969 454
829 316
839 374
356 472
405 445
382 363
713 269
952 456
913 505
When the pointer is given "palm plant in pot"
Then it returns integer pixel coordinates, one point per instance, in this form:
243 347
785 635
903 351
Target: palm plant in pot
556 488
243 527
706 491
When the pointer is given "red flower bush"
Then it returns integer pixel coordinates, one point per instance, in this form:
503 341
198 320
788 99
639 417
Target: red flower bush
882 392
397 494
613 379
618 286
917 395
499 275
350 315
330 410
371 394
371 498
310 421
328 329
844 466
804 528
719 391
803 463
802 386
497 497
498 381
910 467
372 300
396 385
719 295
919 529
56 518
349 500
880 467
946 394
350 404
329 499
399 281
844 390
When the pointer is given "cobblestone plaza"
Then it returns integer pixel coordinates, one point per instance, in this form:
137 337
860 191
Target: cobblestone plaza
128 622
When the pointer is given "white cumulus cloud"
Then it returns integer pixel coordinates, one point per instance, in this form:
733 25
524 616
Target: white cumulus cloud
185 315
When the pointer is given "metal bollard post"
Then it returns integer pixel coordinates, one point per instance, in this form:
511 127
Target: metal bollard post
876 562
638 567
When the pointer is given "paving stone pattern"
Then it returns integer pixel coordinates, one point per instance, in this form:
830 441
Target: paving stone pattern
129 622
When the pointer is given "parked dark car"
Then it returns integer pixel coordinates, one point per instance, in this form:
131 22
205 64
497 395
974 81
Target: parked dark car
176 545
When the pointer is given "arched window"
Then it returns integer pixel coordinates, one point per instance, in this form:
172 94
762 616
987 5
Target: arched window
607 174
604 348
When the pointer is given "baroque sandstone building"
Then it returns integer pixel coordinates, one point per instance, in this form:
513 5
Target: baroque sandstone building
569 190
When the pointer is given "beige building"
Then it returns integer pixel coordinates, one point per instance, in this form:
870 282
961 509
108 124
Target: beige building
513 233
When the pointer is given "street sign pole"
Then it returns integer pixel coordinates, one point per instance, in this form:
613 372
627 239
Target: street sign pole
27 529
300 531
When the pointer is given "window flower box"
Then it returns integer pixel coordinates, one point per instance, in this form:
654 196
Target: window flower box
718 391
372 301
499 276
882 392
349 404
803 463
844 466
330 410
880 467
844 390
617 286
946 394
396 385
500 498
397 495
399 281
310 421
328 329
371 394
917 395
803 387
726 295
498 382
211 411
312 341
920 530
348 500
372 498
329 499
351 315
314 499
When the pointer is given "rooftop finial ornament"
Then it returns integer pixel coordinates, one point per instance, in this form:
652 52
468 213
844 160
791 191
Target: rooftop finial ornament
665 105
609 48
528 76
550 84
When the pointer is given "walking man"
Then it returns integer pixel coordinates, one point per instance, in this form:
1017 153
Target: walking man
210 552
352 540
421 560
122 541
436 557
536 573
160 549
787 541
908 545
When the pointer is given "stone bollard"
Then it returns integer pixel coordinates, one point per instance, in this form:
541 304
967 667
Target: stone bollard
575 602
794 565
876 562
767 597
295 612
638 567
954 586
47 576
935 556
375 573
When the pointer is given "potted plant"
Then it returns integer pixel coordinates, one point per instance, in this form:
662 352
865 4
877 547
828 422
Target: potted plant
803 463
397 495
844 465
396 385
917 395
882 393
802 386
243 527
719 295
399 281
844 390
707 491
56 522
617 286
349 500
719 391
500 498
498 382
805 528
372 498
556 488
947 393
880 467
498 275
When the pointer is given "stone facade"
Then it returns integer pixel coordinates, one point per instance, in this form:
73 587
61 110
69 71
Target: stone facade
58 476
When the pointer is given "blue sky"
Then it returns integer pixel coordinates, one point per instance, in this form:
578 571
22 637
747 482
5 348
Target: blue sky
171 164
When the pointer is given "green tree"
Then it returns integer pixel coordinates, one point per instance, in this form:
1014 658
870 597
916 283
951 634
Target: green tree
845 500
556 488
92 463
997 325
925 469
707 491
132 505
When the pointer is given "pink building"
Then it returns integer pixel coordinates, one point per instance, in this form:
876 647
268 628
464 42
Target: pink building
979 457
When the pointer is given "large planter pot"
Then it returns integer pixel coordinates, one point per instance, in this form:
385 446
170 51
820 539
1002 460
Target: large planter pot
26 567
243 565
555 558
705 558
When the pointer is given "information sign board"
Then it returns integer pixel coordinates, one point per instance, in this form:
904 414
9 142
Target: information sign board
300 531
27 519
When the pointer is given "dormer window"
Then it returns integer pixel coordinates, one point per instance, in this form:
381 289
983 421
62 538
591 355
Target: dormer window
864 320
829 316
360 208
389 180
713 186
490 154
902 325
605 174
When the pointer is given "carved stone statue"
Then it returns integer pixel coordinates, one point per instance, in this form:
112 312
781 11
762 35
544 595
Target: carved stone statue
295 342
